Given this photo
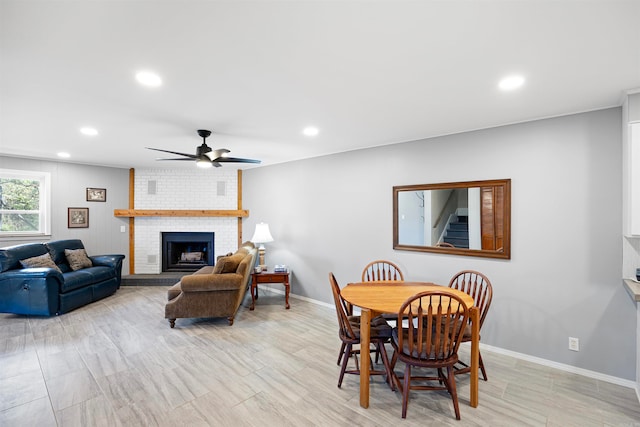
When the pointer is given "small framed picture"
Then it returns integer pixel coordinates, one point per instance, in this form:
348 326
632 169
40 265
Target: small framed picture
77 217
96 194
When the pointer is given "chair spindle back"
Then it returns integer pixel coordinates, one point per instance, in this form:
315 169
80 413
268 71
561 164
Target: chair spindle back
435 325
381 270
478 286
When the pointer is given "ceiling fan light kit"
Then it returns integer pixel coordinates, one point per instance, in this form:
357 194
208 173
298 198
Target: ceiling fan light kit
205 156
204 163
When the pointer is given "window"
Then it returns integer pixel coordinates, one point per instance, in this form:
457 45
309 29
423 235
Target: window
24 202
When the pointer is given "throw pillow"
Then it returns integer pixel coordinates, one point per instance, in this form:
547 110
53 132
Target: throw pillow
39 262
228 264
217 269
222 256
77 259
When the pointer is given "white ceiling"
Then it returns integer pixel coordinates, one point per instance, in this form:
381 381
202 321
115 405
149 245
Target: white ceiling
366 73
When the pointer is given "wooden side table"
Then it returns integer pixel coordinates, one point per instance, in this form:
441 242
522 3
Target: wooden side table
269 276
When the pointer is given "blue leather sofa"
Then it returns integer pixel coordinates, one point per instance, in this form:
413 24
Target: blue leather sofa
47 291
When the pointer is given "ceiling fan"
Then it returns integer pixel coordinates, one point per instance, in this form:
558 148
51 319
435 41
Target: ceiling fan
205 156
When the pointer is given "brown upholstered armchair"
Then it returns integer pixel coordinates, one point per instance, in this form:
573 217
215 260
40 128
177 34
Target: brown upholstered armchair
213 291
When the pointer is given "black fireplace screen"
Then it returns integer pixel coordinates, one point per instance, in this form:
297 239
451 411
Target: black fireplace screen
187 251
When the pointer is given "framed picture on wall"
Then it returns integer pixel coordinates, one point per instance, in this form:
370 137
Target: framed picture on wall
96 194
77 217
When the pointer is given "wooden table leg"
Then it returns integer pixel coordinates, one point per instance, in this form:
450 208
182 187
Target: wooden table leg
365 341
254 289
475 352
286 294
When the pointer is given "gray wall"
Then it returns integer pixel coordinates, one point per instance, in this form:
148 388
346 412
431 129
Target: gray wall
68 189
335 214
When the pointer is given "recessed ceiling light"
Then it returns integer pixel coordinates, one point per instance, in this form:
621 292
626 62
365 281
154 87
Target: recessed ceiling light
310 131
511 82
148 78
89 131
64 155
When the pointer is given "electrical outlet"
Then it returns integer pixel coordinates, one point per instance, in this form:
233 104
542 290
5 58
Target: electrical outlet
123 229
574 344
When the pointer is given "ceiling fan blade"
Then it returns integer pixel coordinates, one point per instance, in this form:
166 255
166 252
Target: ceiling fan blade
205 154
235 160
216 154
191 156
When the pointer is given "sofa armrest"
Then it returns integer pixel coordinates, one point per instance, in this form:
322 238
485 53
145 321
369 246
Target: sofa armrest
211 282
113 261
30 291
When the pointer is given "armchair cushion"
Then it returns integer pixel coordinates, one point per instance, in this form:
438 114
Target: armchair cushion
39 262
211 282
77 259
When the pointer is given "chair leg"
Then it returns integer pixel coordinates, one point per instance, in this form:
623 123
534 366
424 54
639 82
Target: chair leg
451 387
341 353
405 390
392 366
378 355
345 360
466 368
387 366
484 373
394 359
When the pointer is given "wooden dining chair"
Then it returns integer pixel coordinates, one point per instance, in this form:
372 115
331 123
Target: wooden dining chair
479 287
349 333
435 322
381 270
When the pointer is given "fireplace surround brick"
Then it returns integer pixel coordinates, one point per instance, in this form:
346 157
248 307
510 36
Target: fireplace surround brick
182 189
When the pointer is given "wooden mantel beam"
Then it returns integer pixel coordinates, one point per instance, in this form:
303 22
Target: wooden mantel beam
130 213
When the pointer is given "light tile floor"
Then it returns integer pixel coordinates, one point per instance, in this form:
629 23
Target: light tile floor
116 362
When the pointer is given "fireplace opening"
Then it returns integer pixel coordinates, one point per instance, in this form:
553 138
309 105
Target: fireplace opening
187 251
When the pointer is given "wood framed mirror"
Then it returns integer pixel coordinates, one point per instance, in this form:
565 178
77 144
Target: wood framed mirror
471 218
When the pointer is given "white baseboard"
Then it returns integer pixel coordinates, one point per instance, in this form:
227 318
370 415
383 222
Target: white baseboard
564 367
277 289
561 366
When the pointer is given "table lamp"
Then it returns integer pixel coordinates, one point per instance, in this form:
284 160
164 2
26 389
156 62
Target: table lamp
261 236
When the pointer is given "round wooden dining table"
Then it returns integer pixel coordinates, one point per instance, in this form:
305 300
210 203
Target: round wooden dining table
375 298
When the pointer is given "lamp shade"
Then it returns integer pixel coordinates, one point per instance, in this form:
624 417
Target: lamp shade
262 234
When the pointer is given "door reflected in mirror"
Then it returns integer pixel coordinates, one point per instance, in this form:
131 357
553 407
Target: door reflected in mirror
464 218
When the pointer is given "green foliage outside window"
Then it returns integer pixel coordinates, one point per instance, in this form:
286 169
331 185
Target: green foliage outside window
19 205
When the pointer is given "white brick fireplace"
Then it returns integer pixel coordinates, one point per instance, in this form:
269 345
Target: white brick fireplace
183 189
